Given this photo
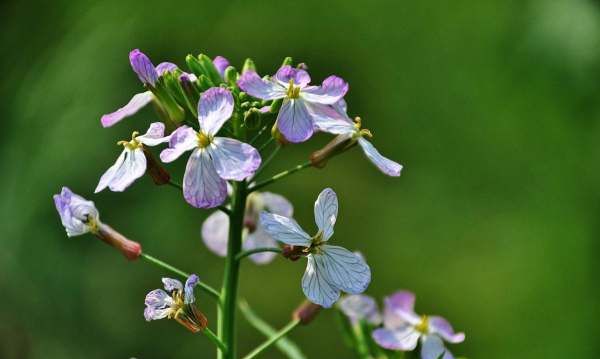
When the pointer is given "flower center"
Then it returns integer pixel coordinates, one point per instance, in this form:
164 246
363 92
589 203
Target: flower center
293 92
360 132
423 326
133 144
178 305
203 140
316 242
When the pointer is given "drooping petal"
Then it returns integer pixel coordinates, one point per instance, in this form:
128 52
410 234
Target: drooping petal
234 160
137 102
221 64
130 166
286 73
385 165
172 284
165 67
330 92
399 309
403 338
326 211
215 233
188 291
254 86
432 347
202 186
440 326
328 119
155 135
277 204
143 67
360 307
315 284
75 212
284 229
158 305
294 121
260 239
346 270
215 107
183 139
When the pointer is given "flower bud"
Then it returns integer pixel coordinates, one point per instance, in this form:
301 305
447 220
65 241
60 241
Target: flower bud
278 136
143 67
339 144
204 83
231 75
252 118
130 249
248 66
190 88
157 172
306 312
209 69
194 65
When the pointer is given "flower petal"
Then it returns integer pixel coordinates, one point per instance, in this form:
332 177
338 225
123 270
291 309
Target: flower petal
277 204
188 291
284 229
158 305
221 64
440 326
326 211
432 347
143 67
346 270
155 135
183 139
403 338
254 86
137 102
315 284
360 307
399 309
215 233
172 284
234 160
165 67
330 92
385 165
328 119
286 73
75 212
260 239
294 121
215 107
130 166
202 186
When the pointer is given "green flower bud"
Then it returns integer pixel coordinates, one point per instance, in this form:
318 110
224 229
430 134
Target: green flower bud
248 66
231 75
209 69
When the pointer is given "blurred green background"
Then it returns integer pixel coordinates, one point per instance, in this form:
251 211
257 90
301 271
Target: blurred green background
491 106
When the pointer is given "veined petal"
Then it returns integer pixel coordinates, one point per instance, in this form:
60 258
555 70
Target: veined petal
202 186
330 92
155 135
385 165
260 239
284 229
328 119
75 212
294 121
432 347
315 284
172 284
183 139
345 270
360 307
234 160
277 204
165 67
254 86
158 305
221 64
137 102
326 211
143 67
399 309
403 338
188 290
440 326
130 166
215 233
215 107
299 76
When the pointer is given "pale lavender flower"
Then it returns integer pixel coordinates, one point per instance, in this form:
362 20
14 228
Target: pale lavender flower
131 164
296 116
403 329
175 302
335 120
330 269
359 307
214 159
215 229
221 64
78 215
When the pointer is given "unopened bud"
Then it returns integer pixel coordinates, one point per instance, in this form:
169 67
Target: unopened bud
194 65
204 83
339 144
248 66
302 66
231 75
306 312
209 69
157 172
278 136
130 249
252 118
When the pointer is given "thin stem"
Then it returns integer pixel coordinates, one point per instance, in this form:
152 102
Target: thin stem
213 338
205 287
279 176
250 252
266 162
260 132
175 185
282 333
224 209
264 145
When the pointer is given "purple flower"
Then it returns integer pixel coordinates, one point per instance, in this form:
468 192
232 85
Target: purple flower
215 229
221 64
296 116
359 307
330 269
131 164
78 215
175 302
403 329
335 120
214 159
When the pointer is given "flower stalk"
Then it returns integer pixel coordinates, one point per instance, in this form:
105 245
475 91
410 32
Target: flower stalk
272 340
280 175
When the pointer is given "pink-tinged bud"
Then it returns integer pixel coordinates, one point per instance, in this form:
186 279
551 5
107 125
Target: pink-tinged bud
130 249
293 253
154 169
306 312
339 144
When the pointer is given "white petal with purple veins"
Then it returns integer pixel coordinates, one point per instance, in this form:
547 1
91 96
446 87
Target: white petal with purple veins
327 119
277 204
386 165
260 239
215 232
155 135
286 73
399 310
442 327
403 338
294 121
234 160
326 211
360 307
202 186
75 212
188 290
330 92
315 284
346 270
263 89
137 102
432 347
172 284
215 107
143 67
158 305
284 229
130 166
183 139
165 67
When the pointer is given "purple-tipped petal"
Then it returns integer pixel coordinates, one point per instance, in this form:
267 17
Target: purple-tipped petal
172 284
294 121
165 67
75 212
442 327
432 347
328 119
254 86
234 160
277 204
326 211
331 91
143 67
403 338
360 307
215 233
190 283
221 64
202 186
137 102
384 164
260 239
399 309
158 305
299 77
215 107
284 229
155 135
183 139
130 166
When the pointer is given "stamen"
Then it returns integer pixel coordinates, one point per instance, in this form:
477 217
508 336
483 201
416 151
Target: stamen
203 140
293 92
423 326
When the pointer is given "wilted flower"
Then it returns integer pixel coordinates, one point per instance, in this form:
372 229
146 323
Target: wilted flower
403 328
176 302
215 229
301 101
214 159
131 164
359 307
330 269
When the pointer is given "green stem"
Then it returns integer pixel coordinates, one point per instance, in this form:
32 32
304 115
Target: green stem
250 252
260 132
266 162
279 176
203 286
213 338
282 333
264 145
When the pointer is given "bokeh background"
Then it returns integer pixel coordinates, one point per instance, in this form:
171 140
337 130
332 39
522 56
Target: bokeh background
491 106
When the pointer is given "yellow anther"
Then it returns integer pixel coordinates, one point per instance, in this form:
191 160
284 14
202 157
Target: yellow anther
423 326
293 92
203 139
133 144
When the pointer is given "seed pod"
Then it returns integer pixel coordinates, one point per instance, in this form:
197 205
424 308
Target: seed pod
130 249
306 312
157 172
